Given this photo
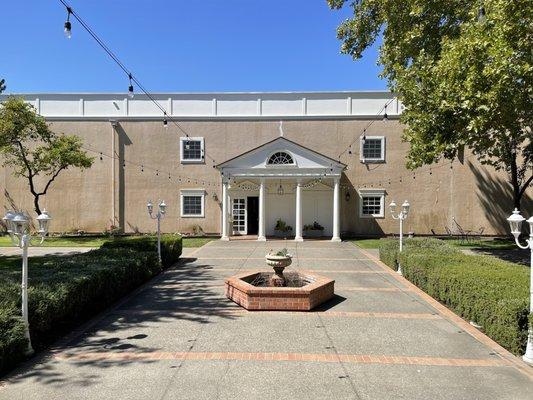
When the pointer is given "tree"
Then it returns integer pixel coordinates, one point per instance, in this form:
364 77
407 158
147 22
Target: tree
464 72
33 151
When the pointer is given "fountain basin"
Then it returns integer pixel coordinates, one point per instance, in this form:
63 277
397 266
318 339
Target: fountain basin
314 290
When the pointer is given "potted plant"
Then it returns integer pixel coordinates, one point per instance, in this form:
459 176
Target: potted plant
313 230
282 230
279 261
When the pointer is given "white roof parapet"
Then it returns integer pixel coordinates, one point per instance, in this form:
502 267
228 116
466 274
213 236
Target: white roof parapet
268 105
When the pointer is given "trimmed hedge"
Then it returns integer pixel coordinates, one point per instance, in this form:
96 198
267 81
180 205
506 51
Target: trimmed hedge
171 246
66 290
484 289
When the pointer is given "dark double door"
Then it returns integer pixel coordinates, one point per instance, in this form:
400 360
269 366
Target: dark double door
252 224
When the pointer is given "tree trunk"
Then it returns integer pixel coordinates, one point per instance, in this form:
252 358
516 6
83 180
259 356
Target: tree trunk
36 203
517 195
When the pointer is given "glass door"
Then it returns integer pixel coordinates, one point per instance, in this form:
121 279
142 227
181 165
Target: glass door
238 212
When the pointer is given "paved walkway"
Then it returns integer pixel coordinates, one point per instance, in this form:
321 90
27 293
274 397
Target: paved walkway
179 338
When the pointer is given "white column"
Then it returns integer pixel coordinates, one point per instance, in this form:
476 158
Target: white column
298 237
224 211
261 234
336 211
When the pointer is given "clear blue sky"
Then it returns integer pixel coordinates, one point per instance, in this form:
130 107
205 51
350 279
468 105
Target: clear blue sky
180 45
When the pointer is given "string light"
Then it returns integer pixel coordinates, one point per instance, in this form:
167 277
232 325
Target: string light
132 79
68 25
385 116
130 87
165 123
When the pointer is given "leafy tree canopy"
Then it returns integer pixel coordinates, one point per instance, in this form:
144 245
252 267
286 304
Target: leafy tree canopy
33 151
464 72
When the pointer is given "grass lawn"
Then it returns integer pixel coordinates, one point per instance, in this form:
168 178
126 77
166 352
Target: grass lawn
487 244
95 241
196 242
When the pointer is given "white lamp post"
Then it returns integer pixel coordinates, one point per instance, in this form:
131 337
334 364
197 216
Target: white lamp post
515 221
160 214
18 227
401 216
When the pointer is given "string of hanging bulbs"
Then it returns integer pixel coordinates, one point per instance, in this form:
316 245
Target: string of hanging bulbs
156 171
362 135
132 79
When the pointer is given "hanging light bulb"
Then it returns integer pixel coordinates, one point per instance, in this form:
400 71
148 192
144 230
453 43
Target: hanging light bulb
350 150
385 116
130 88
68 25
364 136
281 191
165 123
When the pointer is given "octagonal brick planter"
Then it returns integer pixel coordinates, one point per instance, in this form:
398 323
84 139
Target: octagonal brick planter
318 290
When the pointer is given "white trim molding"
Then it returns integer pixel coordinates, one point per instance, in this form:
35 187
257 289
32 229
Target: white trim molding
252 105
192 193
200 160
372 193
381 158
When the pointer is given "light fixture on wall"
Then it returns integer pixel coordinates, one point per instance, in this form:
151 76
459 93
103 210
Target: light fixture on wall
347 195
281 191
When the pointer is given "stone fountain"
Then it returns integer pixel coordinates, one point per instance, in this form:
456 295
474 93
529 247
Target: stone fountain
295 290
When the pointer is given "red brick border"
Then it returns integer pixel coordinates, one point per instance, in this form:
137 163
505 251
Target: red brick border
299 357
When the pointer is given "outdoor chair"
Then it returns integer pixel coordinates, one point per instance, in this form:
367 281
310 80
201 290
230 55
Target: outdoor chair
464 235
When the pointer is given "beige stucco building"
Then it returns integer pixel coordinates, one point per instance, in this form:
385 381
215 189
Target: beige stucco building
246 160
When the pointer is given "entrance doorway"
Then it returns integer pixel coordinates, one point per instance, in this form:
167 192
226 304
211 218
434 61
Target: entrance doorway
253 215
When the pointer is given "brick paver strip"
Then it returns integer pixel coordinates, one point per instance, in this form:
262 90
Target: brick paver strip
298 357
505 355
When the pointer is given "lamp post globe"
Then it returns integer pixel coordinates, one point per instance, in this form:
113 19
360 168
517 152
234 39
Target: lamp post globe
44 220
515 222
405 207
8 220
162 207
21 223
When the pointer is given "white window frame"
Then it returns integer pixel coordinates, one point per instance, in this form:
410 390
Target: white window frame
364 159
293 165
245 199
372 193
192 160
192 192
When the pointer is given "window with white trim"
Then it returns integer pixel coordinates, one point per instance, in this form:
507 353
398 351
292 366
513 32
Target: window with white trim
373 149
280 158
371 203
192 149
192 203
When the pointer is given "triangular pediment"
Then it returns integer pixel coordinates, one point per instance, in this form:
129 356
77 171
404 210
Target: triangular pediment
256 161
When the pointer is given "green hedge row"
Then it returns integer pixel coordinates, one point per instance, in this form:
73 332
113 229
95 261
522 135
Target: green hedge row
484 289
171 246
66 290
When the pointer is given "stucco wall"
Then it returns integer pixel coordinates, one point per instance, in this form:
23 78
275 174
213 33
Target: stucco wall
475 195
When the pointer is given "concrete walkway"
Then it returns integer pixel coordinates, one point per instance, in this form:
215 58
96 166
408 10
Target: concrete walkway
179 338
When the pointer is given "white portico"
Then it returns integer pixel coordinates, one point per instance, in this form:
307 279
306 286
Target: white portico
280 181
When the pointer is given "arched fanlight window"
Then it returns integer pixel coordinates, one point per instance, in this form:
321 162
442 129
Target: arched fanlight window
280 158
